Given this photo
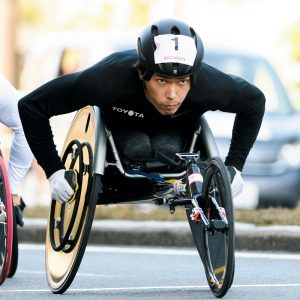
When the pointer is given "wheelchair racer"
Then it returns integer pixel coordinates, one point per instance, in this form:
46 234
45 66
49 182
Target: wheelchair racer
151 98
20 157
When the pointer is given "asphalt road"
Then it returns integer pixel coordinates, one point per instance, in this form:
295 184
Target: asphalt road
154 273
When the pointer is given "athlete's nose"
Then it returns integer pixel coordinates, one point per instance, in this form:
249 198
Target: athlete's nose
171 92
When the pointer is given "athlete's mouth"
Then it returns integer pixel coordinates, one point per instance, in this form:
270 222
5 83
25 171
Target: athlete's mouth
169 107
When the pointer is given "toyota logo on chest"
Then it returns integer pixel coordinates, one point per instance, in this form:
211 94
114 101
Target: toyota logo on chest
128 112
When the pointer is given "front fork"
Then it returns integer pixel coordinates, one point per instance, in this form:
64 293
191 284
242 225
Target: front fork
194 183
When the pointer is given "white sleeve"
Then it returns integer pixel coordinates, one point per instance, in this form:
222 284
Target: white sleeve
20 158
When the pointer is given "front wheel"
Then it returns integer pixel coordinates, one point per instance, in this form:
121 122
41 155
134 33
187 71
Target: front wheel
215 243
218 243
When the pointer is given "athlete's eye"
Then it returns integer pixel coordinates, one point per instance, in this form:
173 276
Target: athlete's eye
183 81
161 81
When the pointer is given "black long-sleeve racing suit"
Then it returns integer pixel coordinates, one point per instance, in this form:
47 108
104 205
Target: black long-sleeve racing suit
113 85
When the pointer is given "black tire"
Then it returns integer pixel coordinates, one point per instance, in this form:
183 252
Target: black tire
216 246
15 248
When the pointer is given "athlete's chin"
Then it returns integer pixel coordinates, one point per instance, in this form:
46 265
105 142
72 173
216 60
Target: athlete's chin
168 112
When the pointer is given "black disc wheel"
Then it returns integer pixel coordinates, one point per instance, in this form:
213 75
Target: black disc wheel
215 242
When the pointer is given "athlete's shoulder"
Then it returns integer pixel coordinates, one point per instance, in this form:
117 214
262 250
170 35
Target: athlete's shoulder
111 78
114 65
209 80
216 77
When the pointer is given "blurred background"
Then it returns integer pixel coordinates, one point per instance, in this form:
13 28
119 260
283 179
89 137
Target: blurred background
257 39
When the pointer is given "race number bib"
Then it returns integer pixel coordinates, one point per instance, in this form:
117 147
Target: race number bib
171 48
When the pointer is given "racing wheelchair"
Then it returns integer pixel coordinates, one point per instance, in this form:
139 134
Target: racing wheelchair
197 181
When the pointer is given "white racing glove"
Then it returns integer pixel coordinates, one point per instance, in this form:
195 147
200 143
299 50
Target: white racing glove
237 182
61 189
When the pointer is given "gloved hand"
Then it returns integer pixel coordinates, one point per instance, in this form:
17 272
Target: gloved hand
236 180
62 185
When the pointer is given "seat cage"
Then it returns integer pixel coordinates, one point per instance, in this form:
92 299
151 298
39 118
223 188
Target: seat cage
104 136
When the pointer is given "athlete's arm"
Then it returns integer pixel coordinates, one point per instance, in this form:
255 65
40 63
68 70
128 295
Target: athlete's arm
56 97
65 94
219 91
249 106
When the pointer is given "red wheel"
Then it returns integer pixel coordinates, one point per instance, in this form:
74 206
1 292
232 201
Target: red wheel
6 223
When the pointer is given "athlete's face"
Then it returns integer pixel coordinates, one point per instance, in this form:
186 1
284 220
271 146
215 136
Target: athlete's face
167 94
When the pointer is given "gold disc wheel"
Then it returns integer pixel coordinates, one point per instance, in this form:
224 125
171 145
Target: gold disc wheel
69 224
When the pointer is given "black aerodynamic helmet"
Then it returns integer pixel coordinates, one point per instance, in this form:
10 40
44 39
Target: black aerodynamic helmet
170 47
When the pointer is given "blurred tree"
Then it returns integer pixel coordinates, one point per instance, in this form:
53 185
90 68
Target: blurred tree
31 13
